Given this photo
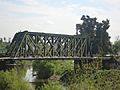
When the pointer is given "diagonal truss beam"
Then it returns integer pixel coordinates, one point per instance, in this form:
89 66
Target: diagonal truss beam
36 44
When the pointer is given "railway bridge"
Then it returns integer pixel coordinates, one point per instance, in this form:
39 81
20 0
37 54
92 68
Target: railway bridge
45 46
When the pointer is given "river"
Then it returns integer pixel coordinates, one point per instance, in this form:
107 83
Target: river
29 75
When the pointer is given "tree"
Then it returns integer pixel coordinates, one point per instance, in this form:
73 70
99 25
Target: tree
100 39
13 80
1 40
116 46
44 69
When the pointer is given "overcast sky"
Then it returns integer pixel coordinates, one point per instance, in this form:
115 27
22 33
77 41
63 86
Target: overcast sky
55 16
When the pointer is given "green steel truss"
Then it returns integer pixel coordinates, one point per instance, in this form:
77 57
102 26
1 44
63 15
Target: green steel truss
34 44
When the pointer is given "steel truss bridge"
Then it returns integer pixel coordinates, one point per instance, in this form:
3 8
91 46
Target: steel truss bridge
45 45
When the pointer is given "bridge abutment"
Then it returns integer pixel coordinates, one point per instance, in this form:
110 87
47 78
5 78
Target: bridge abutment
87 66
6 64
3 65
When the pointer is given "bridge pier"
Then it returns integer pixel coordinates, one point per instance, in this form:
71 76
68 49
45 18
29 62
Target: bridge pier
6 64
77 66
3 65
87 66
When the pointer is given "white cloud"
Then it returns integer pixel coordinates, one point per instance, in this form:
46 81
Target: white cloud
36 16
112 2
30 2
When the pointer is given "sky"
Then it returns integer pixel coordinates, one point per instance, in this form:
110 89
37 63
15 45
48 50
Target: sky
55 16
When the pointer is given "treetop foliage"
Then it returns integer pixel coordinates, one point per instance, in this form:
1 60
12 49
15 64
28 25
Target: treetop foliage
91 24
116 47
100 39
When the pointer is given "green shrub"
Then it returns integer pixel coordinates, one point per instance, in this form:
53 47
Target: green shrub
62 65
106 79
13 80
52 85
102 79
44 69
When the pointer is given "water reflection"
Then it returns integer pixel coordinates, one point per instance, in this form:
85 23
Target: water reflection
32 79
29 75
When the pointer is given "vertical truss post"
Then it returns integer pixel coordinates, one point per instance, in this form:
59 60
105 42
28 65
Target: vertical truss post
52 52
25 47
86 47
81 53
36 45
44 46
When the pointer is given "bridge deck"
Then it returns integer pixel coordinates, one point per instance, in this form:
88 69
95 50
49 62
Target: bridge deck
52 58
